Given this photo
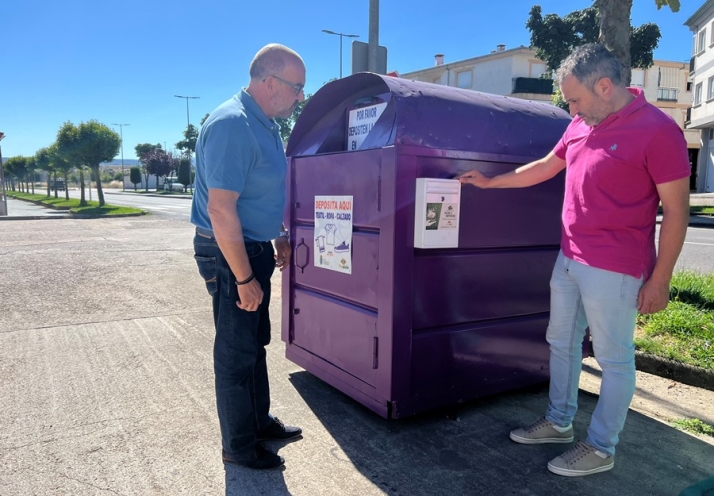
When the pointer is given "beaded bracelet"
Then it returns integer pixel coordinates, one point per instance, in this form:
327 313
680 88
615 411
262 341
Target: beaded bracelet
250 278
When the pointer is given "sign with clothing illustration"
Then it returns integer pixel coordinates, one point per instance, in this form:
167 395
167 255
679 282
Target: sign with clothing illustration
333 233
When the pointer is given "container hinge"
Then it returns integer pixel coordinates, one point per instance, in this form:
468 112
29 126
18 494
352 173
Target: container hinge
375 352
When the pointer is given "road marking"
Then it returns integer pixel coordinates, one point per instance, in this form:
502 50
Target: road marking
701 244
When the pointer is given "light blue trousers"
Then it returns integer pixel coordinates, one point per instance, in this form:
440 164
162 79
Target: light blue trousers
584 296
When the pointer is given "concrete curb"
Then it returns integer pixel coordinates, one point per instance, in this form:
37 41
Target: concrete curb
679 372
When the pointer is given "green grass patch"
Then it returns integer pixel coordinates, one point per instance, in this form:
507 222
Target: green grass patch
684 331
694 426
92 208
701 210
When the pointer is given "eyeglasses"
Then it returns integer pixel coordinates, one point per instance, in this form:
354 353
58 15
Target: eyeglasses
297 87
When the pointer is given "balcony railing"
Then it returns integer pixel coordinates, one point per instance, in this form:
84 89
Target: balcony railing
667 94
532 85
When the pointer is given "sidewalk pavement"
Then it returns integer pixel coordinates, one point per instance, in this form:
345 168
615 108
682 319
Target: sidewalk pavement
107 387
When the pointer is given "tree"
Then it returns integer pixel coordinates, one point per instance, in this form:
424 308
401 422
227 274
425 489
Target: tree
43 162
188 143
184 172
135 176
160 163
554 38
90 144
142 150
61 166
16 168
287 124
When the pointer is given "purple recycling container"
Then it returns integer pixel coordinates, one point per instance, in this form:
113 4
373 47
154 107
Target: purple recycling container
411 329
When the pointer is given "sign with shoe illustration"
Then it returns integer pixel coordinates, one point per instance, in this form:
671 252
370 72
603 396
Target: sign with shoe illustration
333 233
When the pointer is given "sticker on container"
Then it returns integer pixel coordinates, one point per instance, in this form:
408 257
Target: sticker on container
333 233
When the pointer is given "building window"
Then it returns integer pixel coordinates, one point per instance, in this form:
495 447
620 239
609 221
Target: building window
689 86
711 41
698 94
702 41
710 88
463 80
638 78
667 94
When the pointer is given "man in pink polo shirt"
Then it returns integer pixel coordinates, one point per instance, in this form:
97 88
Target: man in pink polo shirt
622 156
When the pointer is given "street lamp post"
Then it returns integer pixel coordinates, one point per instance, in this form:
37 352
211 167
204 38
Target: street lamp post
121 134
3 198
340 35
188 123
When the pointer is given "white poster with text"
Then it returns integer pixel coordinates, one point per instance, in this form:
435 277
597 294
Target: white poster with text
333 233
360 123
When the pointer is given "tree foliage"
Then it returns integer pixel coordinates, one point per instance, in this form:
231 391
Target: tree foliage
61 166
554 38
89 143
190 136
159 163
43 162
142 150
184 172
135 176
287 124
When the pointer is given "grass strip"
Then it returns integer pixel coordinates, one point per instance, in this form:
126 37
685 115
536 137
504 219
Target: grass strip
91 209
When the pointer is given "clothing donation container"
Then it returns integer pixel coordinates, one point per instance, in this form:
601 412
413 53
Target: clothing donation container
408 291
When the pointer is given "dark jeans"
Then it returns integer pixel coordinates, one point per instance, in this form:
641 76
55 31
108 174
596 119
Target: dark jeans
242 391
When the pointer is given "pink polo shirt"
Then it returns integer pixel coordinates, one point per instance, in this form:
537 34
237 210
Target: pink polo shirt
611 197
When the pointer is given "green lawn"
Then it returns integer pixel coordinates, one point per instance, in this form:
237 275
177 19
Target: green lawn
684 331
91 209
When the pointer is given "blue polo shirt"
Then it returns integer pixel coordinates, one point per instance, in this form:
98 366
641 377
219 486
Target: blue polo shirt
239 149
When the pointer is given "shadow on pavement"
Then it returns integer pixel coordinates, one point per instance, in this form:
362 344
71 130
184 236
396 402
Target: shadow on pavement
440 453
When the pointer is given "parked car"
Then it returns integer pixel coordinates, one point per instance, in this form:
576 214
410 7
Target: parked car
57 185
174 185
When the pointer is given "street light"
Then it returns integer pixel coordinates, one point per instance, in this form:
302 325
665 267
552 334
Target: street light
3 198
340 35
188 123
121 134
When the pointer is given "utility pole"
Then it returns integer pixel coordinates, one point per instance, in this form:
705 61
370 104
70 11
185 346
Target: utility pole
121 134
340 35
3 198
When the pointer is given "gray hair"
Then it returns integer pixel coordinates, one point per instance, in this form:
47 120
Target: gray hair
589 63
271 60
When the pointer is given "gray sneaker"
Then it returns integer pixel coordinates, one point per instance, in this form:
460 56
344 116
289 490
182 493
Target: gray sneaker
541 432
581 459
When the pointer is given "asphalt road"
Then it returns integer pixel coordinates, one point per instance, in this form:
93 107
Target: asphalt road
174 206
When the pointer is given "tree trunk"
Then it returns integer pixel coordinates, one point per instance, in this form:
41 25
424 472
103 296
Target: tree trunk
82 200
66 185
49 180
98 181
615 31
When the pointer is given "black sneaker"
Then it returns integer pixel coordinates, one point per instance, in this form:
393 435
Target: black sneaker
265 460
277 431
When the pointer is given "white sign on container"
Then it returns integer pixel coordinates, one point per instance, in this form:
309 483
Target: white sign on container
333 233
360 123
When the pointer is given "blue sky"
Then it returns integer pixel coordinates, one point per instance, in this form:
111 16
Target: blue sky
122 61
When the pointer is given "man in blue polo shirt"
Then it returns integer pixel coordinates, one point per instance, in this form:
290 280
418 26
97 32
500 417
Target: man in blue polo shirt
237 208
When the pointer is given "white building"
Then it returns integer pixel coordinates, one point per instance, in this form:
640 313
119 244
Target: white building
518 73
515 72
701 68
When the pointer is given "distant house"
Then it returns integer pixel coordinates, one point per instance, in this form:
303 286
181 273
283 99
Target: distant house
515 72
701 72
518 73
